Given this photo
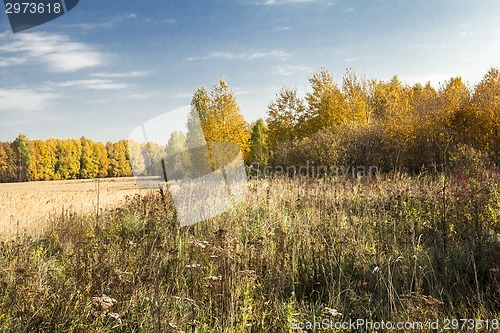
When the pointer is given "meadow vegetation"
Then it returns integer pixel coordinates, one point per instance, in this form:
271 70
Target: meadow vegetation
392 248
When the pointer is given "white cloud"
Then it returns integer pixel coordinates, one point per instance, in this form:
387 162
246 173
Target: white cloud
6 62
56 51
139 96
272 54
287 70
133 74
24 99
73 61
244 56
105 25
92 26
360 58
95 84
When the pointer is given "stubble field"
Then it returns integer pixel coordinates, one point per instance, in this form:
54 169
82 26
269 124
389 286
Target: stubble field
26 207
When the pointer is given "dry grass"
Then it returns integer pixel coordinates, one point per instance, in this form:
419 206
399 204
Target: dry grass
296 250
26 207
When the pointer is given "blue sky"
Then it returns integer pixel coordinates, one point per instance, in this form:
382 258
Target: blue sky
108 66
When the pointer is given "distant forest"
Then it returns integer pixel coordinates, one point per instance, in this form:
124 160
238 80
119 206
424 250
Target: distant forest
58 159
363 122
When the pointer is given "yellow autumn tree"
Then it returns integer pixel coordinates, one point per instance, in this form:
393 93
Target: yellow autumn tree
284 115
356 92
453 97
485 111
219 116
391 109
43 160
423 101
327 106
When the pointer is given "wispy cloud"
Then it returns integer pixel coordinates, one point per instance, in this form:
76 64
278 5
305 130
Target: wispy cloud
102 25
6 62
166 20
133 74
139 96
24 99
95 84
57 51
253 55
361 58
287 70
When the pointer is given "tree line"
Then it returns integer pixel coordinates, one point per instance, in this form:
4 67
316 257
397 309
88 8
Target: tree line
61 159
389 124
361 121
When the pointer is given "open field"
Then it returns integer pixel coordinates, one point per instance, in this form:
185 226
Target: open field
27 206
399 249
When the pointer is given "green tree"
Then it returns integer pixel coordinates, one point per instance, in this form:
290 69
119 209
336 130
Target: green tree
22 148
258 143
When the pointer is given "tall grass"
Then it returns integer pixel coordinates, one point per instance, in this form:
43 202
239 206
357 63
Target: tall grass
296 250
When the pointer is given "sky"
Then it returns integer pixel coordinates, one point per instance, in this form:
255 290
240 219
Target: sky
108 66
